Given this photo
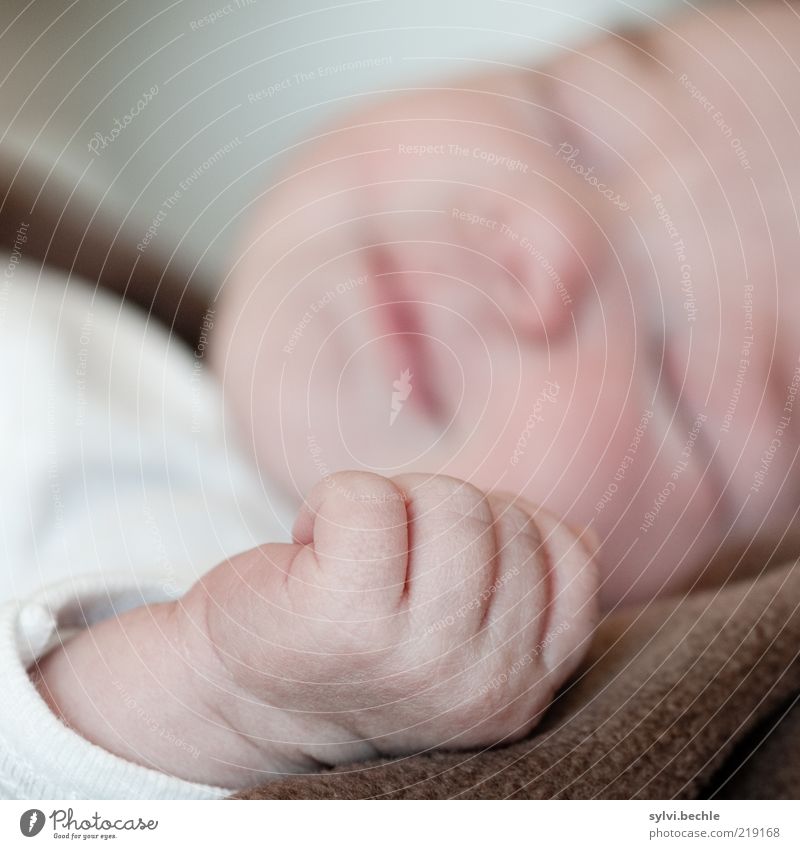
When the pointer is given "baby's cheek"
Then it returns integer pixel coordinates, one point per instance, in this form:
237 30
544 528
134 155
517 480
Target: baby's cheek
550 421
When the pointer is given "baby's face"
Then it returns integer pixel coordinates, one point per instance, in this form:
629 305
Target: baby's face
432 292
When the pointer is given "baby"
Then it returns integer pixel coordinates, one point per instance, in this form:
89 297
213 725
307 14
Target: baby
565 294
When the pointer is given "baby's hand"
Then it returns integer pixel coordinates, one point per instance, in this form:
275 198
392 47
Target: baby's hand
408 614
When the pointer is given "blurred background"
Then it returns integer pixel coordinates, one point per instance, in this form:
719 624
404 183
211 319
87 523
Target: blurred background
169 118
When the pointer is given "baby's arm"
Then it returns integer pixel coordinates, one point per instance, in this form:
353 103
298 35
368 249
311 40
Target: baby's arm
407 614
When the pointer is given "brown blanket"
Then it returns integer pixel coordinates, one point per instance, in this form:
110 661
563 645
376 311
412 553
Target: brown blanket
688 698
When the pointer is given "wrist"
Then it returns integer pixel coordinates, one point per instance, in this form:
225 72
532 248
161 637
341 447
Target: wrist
274 716
126 685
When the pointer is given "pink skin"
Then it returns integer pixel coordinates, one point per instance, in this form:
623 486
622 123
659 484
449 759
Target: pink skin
407 615
556 352
605 306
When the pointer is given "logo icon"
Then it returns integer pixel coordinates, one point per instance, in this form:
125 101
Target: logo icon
402 389
31 822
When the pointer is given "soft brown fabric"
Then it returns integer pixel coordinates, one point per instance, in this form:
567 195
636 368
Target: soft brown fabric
768 765
681 699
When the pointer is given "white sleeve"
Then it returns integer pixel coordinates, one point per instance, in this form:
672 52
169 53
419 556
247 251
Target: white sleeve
117 463
40 757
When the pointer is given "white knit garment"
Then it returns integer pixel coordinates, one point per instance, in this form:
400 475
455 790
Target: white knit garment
119 486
